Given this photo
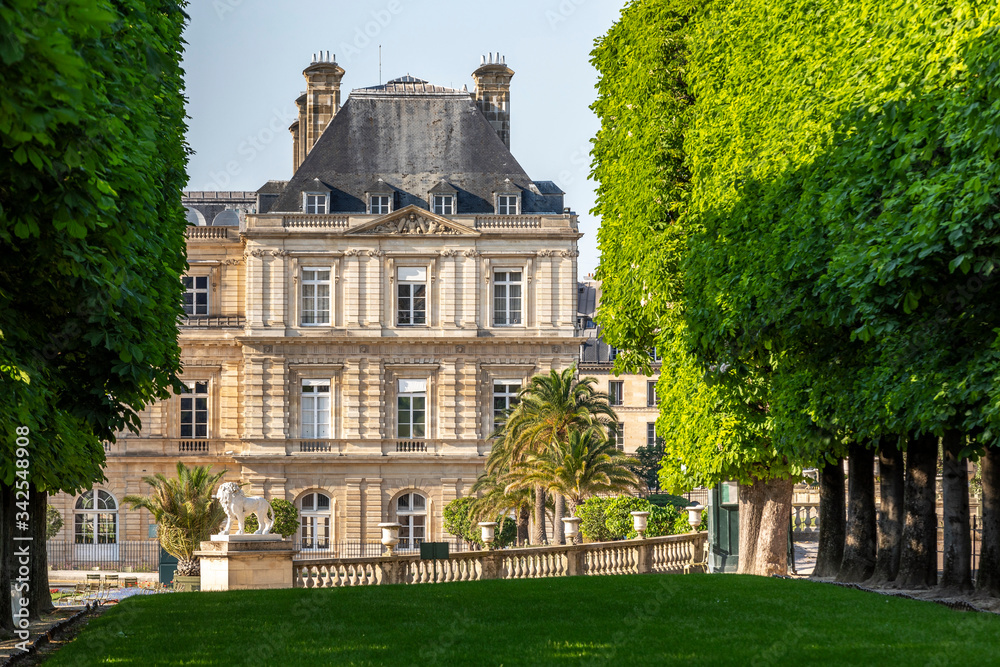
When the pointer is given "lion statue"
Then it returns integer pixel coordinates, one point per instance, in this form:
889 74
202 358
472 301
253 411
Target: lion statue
239 506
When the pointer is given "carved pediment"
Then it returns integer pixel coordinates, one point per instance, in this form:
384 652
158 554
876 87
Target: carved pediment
414 221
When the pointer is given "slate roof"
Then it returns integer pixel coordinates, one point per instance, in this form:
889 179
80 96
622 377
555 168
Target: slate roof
413 136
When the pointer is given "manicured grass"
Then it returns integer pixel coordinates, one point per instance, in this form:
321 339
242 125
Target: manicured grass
627 620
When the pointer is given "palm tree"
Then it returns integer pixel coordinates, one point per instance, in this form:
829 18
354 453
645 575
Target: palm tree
495 501
582 466
549 409
185 512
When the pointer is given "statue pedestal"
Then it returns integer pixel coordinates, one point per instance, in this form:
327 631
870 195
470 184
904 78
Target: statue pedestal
245 562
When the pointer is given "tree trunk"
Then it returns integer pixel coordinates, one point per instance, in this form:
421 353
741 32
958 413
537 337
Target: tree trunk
39 600
538 529
860 538
765 513
957 571
988 576
6 553
558 527
523 519
918 559
890 513
832 528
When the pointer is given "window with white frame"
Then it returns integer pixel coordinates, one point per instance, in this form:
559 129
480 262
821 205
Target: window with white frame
95 518
619 436
314 519
379 204
651 398
315 400
507 204
616 392
315 296
612 352
194 410
195 295
314 202
411 296
444 204
650 434
506 297
504 397
411 514
411 408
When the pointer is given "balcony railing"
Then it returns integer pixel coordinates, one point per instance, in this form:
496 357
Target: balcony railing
508 221
317 222
172 447
215 322
193 232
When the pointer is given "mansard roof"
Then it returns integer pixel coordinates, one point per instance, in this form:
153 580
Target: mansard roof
414 136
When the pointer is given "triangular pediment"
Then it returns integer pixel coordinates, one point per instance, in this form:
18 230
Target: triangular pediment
414 221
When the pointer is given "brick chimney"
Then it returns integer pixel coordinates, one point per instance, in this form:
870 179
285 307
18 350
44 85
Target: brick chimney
318 105
493 93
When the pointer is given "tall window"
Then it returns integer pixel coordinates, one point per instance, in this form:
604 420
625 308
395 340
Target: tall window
411 296
650 434
411 514
507 204
194 411
444 204
411 409
619 436
380 204
315 296
651 398
96 518
616 392
612 352
195 295
315 409
314 517
504 397
506 297
315 203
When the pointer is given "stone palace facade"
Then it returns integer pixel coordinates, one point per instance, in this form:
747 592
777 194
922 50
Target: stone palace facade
352 332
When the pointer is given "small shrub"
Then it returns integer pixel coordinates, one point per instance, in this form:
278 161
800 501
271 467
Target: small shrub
459 522
605 519
593 519
286 519
53 522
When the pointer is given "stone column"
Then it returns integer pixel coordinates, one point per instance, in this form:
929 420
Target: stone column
372 510
354 512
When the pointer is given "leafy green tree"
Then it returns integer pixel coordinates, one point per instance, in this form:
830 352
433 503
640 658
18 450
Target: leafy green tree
184 510
549 409
494 499
647 464
285 515
53 522
460 520
92 162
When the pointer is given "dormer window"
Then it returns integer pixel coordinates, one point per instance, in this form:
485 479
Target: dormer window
315 202
444 204
508 204
379 204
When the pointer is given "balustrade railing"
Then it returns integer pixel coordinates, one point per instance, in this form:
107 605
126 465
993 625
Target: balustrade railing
508 221
673 553
317 221
805 520
215 321
193 232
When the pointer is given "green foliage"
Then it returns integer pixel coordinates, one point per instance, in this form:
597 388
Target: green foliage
92 164
647 464
286 519
184 510
459 520
607 518
666 500
53 522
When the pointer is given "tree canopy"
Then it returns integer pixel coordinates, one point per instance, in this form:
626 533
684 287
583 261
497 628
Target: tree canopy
92 164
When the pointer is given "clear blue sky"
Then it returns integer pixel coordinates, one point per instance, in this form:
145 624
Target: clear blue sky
245 58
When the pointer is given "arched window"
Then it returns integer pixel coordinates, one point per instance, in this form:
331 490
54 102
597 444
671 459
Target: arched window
411 513
314 515
96 518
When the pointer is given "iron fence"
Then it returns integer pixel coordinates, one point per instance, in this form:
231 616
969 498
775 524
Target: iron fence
134 555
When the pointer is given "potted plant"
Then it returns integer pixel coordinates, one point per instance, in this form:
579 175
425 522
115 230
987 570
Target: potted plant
185 513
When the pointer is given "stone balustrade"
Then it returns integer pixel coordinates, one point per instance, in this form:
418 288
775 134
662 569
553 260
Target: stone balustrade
672 553
170 447
805 520
193 232
317 221
508 221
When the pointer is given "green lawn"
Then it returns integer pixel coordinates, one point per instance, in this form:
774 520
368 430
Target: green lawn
622 620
